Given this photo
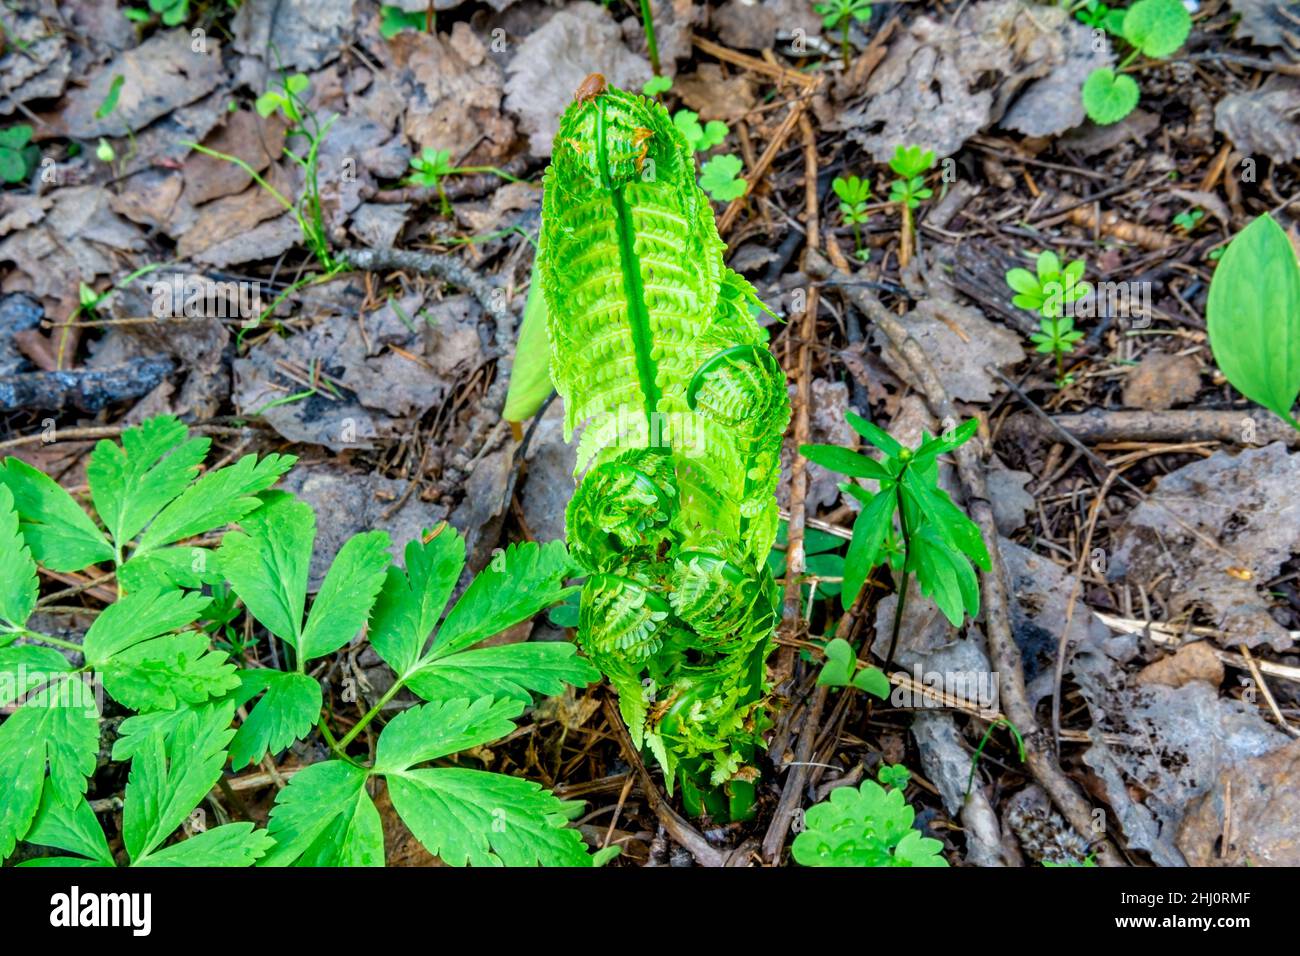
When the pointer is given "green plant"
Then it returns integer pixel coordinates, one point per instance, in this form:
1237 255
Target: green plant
720 178
853 194
841 13
1252 315
1088 861
699 138
432 166
18 155
173 12
1152 28
656 85
655 350
154 661
1096 14
1188 219
935 540
1048 290
393 20
840 670
866 826
652 47
911 164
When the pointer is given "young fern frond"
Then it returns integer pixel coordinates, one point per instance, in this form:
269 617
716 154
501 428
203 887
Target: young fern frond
657 355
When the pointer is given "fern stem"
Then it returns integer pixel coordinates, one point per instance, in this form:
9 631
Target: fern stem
902 591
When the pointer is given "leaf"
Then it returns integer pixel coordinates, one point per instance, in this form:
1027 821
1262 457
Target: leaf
60 535
324 817
530 376
1109 96
178 567
840 663
234 844
168 672
170 774
846 462
18 585
1157 27
70 827
874 434
138 617
511 670
267 563
411 601
864 826
870 528
217 499
343 603
286 713
24 669
59 725
486 819
519 582
873 681
719 177
430 731
1253 317
131 482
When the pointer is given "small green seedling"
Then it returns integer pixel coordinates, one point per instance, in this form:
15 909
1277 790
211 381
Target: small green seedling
854 193
288 99
720 178
1189 219
393 20
864 826
938 542
1048 293
1088 861
841 14
18 156
1151 28
894 775
841 670
432 166
1102 17
173 12
656 85
699 138
1253 317
911 164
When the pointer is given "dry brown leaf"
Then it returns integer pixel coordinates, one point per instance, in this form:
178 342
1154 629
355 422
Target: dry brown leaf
1264 121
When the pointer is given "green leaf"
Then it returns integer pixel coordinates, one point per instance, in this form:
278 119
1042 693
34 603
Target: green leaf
168 672
430 731
131 482
15 137
139 616
324 817
530 376
864 826
170 774
486 819
72 827
656 85
1157 27
286 713
343 603
58 726
170 568
234 844
874 434
719 177
846 462
267 563
24 669
840 663
873 681
1109 96
865 553
18 585
512 670
1023 281
522 580
411 601
1253 317
60 535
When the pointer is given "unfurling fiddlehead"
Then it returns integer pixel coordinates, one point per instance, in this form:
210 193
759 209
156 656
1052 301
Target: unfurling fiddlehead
658 357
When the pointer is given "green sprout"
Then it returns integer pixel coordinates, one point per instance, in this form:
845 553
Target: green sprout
1189 219
393 20
432 166
841 14
18 156
1151 28
700 138
656 85
911 164
720 178
1047 291
854 193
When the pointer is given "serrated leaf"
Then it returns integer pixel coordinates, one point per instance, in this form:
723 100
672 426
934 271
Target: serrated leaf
168 672
1107 98
440 729
1157 27
179 567
60 535
411 601
486 819
342 605
18 585
1253 317
70 827
267 563
324 817
285 714
234 844
26 668
137 617
863 826
512 670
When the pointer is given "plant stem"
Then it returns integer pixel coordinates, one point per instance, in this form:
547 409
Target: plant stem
647 18
372 713
46 639
902 591
844 43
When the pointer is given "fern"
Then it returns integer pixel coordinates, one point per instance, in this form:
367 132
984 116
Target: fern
184 692
656 353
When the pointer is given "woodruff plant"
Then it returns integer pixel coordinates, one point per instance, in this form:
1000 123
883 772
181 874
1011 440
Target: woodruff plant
655 351
154 655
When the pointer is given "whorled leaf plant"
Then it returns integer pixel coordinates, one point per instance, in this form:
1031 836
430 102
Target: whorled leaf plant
656 353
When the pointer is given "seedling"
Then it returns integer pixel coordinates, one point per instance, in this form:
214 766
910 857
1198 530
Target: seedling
841 14
393 20
854 193
432 166
840 671
1095 14
173 12
18 155
911 164
938 542
656 85
1253 317
720 178
1189 219
865 826
699 138
1048 292
1152 28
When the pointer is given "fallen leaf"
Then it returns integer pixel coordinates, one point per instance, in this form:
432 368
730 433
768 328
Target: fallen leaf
1162 381
1194 661
1263 121
295 34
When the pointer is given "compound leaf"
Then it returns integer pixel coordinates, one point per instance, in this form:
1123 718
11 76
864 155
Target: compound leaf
411 601
324 817
61 535
343 602
18 584
286 713
267 563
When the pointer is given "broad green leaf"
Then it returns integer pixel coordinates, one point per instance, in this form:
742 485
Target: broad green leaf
18 585
874 434
59 726
411 601
70 827
948 521
519 582
864 826
60 535
530 376
486 819
324 817
131 482
866 548
440 729
845 461
167 672
1157 27
873 681
1108 97
267 563
170 775
840 663
234 844
1253 317
27 668
137 617
512 670
343 603
215 500
285 714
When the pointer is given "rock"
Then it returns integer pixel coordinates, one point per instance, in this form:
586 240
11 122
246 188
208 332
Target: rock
1163 381
1251 817
1196 661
